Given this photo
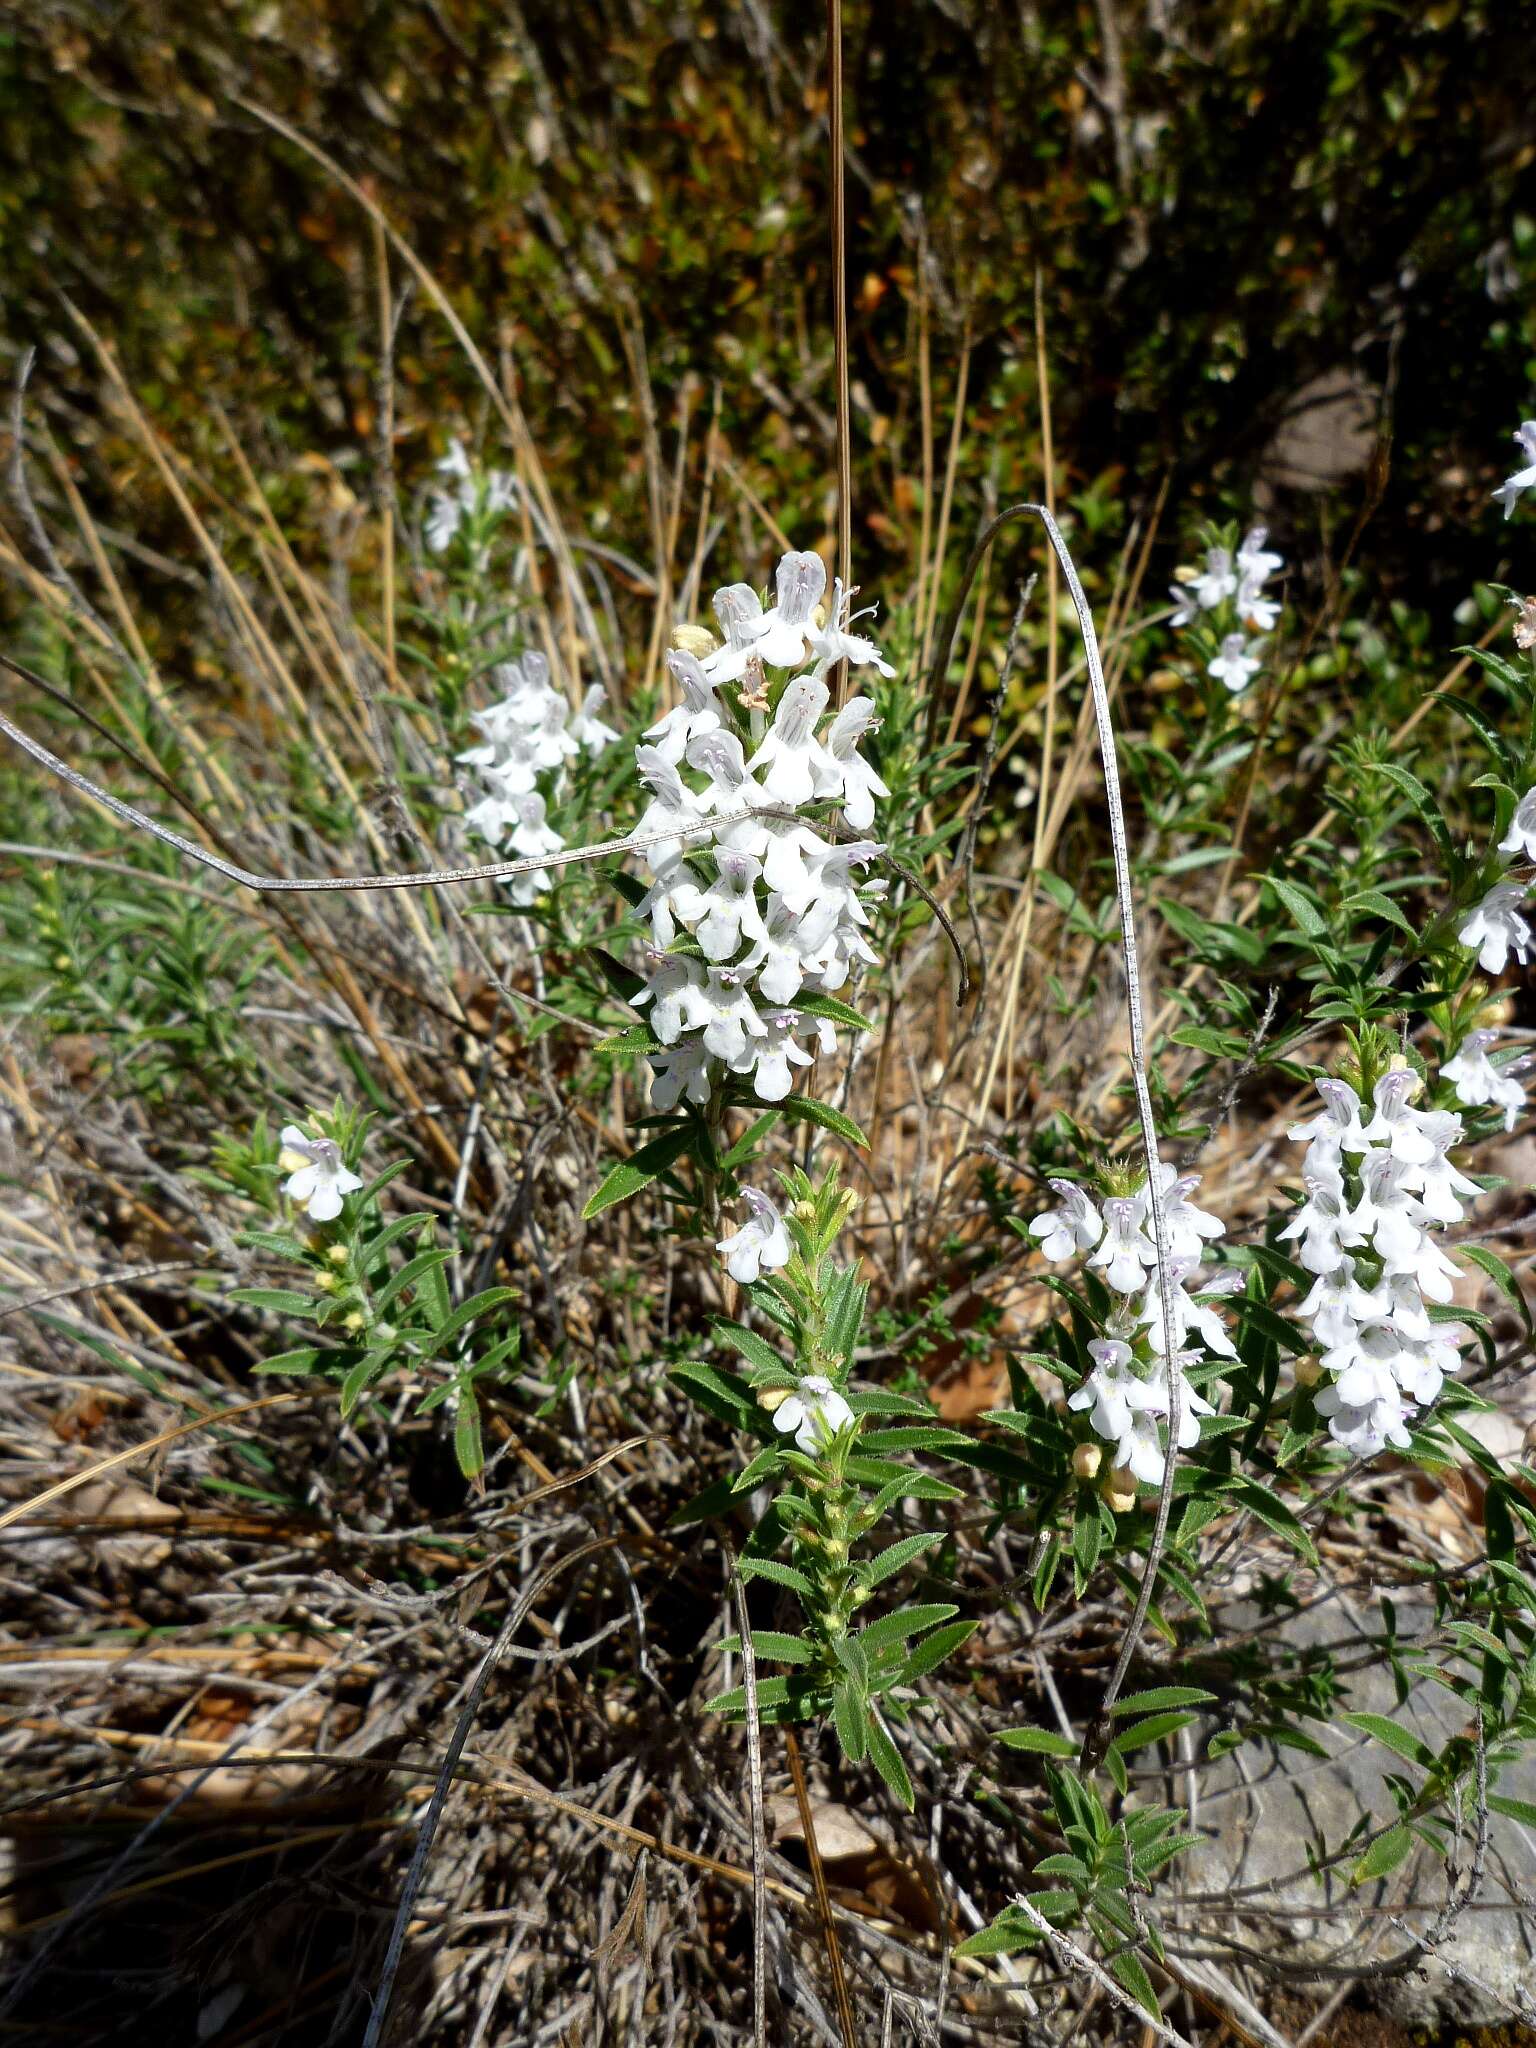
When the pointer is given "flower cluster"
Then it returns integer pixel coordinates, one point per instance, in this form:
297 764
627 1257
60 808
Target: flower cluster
462 496
1230 587
530 733
1375 1190
1495 927
751 908
1127 1392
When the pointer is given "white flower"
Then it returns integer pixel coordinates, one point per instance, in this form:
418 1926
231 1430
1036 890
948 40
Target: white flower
1319 1219
1217 580
845 771
833 642
728 909
1114 1390
724 1009
590 731
696 714
1397 1124
768 1059
1185 1227
1074 1225
1234 666
533 835
1256 564
731 791
1477 1080
1524 479
815 1411
1440 1184
673 808
316 1176
761 1244
1126 1251
673 983
1338 1303
791 757
791 946
1386 1216
1186 606
1496 927
1366 1432
1338 1128
1183 1312
740 612
1521 837
799 582
680 1070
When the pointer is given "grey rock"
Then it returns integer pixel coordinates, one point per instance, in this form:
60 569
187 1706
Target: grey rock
1265 1809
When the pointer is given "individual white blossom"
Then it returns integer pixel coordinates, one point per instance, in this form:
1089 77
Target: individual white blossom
815 1412
846 773
1175 1312
791 760
1216 581
740 612
1497 929
833 642
317 1179
1235 665
1074 1225
1397 1124
1520 839
1477 1080
762 1243
1338 1129
1126 1252
799 582
1508 493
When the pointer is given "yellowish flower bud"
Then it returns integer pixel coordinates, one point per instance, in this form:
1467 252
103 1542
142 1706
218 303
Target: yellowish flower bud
804 1212
353 1322
1086 1460
337 1255
326 1282
695 640
1119 1490
289 1161
769 1398
1308 1372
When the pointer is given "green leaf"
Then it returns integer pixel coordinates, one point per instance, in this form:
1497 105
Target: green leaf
771 1692
1274 1514
749 1345
830 1008
904 1622
469 1311
1396 1738
1383 1855
1129 1972
1161 1696
353 1387
810 1111
1153 1729
780 1575
640 1169
302 1360
746 1144
931 1653
850 1719
1514 1809
761 1467
1298 901
1500 1275
281 1301
920 1437
721 1393
1009 1932
409 1274
891 1560
1038 1741
767 1642
468 1446
886 1758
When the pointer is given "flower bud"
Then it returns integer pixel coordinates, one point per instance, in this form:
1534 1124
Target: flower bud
1308 1372
326 1282
1119 1490
804 1212
769 1398
1086 1460
353 1322
695 640
337 1255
